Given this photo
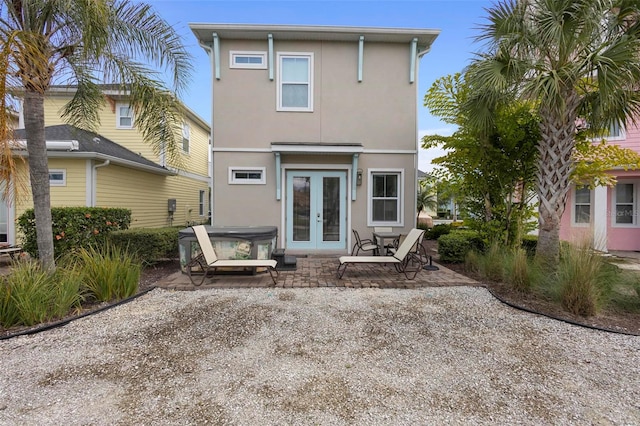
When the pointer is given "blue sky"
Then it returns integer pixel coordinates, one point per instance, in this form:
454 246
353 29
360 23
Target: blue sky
457 20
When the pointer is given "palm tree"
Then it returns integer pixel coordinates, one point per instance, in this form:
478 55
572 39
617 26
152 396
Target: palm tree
575 59
87 43
426 198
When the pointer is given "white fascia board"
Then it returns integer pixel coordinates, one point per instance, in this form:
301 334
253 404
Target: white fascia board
310 149
69 145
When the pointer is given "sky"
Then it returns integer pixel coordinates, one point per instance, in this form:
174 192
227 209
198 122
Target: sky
458 21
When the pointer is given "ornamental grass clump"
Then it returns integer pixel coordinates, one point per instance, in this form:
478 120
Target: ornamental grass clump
107 273
31 295
521 272
584 281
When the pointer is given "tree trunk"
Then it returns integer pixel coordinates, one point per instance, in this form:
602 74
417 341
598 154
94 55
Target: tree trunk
39 175
554 173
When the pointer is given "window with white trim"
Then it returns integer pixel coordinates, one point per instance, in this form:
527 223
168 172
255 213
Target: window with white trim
625 206
201 202
124 116
385 197
295 82
582 205
186 137
246 175
57 177
247 60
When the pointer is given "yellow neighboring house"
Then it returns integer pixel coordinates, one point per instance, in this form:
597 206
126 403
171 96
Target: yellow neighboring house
115 168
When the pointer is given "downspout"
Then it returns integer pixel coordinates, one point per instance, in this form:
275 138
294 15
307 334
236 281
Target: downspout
94 189
419 55
209 51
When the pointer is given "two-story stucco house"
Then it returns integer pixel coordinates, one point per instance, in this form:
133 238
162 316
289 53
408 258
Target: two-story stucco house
116 168
315 129
609 215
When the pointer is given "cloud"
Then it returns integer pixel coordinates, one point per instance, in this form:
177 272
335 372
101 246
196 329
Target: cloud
426 155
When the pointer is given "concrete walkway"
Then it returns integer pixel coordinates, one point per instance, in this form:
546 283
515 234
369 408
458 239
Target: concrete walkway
321 272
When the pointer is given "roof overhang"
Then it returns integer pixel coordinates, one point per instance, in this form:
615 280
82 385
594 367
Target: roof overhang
316 148
204 33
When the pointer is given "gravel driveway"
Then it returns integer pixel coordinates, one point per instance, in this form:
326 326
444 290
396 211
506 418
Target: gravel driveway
323 356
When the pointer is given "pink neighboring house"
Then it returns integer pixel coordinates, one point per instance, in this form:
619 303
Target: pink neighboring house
609 214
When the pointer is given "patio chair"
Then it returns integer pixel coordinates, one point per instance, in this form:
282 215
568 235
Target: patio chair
405 260
364 245
208 261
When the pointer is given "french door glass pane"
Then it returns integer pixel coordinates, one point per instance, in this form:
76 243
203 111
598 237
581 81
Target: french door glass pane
301 208
295 95
331 209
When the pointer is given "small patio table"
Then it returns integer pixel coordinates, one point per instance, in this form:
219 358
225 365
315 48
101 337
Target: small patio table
380 238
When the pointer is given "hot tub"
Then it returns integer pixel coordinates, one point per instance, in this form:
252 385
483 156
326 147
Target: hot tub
230 242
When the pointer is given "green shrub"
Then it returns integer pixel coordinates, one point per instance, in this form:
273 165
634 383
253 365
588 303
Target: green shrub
472 262
437 231
584 281
74 227
148 244
107 273
31 295
454 246
529 244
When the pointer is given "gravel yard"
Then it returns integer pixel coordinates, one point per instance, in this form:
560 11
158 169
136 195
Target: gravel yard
447 355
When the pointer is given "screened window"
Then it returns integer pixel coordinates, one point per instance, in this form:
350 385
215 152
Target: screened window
241 176
295 82
124 116
57 177
250 60
625 203
385 201
582 205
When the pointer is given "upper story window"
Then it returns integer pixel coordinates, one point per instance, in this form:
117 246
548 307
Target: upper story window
385 197
201 202
124 116
57 177
186 137
582 205
250 60
295 82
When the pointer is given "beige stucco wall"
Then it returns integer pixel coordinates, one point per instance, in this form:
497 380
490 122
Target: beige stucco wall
379 112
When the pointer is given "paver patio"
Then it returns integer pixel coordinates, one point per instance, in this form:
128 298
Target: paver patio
319 271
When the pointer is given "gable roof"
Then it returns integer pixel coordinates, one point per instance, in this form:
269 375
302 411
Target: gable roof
204 33
89 145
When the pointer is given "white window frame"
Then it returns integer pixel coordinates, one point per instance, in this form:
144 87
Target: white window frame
234 54
286 55
118 116
622 136
401 199
62 182
235 180
186 135
201 202
574 204
614 205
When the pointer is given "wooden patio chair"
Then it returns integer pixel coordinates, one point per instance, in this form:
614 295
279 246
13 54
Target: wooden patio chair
208 261
404 259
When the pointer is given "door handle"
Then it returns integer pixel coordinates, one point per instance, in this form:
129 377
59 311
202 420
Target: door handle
318 216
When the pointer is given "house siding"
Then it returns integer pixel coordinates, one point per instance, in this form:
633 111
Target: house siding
147 194
611 236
